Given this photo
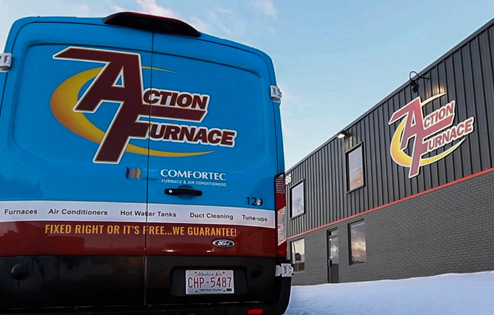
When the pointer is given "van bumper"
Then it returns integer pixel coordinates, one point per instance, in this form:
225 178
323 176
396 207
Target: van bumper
136 284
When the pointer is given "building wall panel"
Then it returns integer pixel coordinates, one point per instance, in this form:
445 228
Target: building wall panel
423 236
466 75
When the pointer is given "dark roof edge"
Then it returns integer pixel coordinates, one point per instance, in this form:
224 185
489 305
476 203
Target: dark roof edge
390 95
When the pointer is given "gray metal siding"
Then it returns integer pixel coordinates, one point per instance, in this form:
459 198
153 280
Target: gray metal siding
444 231
466 74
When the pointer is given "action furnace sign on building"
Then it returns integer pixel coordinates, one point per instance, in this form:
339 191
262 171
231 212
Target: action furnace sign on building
430 133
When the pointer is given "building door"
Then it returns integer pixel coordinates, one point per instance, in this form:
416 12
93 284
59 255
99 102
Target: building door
333 257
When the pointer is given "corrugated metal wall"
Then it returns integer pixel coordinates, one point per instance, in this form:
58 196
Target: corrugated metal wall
466 75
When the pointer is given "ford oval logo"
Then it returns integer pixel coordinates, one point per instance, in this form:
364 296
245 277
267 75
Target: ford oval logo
223 243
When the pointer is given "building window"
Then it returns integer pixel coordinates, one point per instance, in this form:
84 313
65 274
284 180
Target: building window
355 169
357 243
298 255
298 196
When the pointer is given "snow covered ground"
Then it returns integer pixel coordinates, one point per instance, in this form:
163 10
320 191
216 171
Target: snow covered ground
463 294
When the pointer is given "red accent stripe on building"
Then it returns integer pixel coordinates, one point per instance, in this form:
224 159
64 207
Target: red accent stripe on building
395 202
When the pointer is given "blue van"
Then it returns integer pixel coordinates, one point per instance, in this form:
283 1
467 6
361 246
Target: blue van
141 170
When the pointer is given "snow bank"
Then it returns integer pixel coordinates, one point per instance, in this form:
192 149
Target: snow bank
444 294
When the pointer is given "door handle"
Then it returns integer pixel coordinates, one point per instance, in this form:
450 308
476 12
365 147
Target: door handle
183 191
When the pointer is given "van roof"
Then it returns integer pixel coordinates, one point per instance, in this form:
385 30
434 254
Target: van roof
19 24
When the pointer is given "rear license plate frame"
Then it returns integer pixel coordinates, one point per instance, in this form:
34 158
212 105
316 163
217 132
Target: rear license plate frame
200 282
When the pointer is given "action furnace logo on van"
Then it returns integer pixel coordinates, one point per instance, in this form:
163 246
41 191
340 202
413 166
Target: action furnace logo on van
431 132
120 81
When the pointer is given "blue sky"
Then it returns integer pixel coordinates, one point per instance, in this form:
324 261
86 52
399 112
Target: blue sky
333 59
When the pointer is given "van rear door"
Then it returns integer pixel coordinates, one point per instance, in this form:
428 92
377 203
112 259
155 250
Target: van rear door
213 154
72 220
51 129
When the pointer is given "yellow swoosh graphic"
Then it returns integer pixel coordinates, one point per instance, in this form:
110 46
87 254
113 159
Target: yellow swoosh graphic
160 69
62 103
404 159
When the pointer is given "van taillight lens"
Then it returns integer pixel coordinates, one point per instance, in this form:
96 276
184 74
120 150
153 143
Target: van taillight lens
280 206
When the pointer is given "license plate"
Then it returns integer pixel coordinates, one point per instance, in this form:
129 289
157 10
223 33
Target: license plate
209 282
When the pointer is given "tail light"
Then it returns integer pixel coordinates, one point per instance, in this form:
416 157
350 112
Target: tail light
280 206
